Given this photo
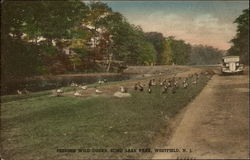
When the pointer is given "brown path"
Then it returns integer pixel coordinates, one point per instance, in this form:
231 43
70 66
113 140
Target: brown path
216 124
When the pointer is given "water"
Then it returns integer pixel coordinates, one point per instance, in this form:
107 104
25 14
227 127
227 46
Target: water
40 85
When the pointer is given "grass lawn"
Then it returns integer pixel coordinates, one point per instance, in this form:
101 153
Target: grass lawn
35 127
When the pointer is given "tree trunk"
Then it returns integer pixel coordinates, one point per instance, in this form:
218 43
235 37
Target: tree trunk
109 62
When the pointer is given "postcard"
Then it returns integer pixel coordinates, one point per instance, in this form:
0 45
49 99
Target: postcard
127 80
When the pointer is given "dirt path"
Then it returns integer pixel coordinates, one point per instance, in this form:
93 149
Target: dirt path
216 124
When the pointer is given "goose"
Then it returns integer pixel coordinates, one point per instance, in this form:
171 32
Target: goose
100 82
153 82
25 91
140 87
97 91
163 82
123 90
197 76
165 89
195 81
169 83
185 84
159 81
173 90
150 83
73 84
59 92
83 87
19 92
176 84
77 94
135 87
149 90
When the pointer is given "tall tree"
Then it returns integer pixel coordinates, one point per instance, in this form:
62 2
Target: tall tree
158 41
180 50
241 40
203 55
167 55
44 25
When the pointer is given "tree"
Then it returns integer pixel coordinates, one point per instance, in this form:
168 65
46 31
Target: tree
180 51
45 26
158 41
203 55
241 40
167 55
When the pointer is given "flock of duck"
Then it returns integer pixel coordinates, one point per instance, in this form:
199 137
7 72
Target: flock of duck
167 85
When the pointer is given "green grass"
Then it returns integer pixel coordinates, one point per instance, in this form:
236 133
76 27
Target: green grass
9 98
34 127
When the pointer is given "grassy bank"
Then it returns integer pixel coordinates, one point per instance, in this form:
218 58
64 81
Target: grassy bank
35 127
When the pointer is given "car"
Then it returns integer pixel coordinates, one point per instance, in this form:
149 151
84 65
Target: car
231 65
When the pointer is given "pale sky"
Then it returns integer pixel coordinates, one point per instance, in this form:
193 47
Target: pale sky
196 22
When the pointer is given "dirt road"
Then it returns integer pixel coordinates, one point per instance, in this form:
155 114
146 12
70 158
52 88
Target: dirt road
216 124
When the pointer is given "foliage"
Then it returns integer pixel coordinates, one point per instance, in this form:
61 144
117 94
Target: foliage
44 25
180 51
158 41
19 59
241 40
70 36
203 55
167 55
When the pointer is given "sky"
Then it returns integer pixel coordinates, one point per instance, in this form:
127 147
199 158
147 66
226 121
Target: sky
196 22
